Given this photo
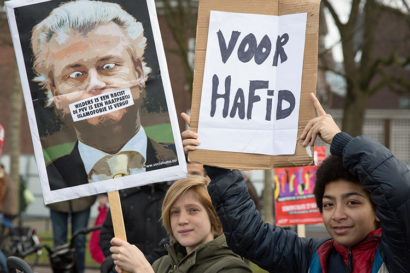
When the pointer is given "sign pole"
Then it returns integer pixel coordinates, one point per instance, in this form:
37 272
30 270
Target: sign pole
301 230
116 216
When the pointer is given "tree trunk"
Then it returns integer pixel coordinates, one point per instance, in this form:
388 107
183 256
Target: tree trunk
354 112
14 128
268 197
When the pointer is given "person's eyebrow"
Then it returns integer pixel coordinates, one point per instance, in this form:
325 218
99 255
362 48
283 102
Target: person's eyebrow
345 195
107 58
71 66
329 197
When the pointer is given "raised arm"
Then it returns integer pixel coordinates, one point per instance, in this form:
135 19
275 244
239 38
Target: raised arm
273 248
384 176
388 181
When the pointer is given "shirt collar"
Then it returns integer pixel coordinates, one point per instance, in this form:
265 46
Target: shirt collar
90 155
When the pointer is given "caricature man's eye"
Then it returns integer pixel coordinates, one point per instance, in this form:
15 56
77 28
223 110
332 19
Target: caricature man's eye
76 74
108 66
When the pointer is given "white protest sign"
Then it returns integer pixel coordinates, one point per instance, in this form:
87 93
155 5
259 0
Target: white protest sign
252 83
109 53
101 104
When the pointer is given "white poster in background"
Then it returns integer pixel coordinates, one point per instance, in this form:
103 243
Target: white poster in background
252 83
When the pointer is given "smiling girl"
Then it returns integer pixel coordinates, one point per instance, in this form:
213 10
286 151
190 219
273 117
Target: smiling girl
198 244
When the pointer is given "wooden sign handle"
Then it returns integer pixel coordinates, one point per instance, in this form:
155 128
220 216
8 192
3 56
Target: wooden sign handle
301 228
116 216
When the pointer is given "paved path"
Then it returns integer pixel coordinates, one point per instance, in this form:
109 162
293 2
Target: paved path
45 269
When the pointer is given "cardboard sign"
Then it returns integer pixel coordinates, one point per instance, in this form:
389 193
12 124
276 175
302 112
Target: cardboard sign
98 95
252 102
251 86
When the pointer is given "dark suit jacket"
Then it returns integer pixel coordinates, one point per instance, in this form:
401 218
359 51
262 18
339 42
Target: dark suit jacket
69 171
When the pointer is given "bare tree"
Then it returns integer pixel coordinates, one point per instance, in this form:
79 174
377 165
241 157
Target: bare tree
16 104
181 18
16 107
364 72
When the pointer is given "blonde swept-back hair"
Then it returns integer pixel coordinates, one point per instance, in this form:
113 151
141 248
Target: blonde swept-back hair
195 183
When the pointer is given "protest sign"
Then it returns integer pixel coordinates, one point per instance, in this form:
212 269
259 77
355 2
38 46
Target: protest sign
294 200
255 66
98 95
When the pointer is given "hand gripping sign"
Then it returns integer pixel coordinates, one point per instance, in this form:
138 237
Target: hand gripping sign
254 68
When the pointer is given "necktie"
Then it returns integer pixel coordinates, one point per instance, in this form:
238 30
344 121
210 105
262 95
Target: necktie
111 166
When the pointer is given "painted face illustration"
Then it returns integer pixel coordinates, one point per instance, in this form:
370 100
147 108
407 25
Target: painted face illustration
99 62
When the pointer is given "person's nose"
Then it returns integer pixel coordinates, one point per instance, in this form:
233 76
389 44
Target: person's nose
339 213
95 83
183 218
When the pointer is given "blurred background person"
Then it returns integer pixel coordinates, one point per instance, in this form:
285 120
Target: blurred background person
93 246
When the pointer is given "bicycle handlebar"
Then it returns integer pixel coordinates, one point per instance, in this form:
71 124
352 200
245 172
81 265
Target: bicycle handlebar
48 248
36 248
83 231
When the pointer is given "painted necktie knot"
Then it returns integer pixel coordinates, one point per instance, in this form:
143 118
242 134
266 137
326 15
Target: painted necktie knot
116 165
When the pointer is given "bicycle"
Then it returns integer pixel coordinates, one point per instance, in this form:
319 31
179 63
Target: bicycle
17 241
17 264
62 258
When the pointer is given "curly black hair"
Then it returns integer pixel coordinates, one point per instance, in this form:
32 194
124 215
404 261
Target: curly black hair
330 170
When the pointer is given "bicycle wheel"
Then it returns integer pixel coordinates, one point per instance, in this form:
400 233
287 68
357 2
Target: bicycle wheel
16 264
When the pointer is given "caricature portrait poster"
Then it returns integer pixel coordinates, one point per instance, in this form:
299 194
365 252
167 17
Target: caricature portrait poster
97 93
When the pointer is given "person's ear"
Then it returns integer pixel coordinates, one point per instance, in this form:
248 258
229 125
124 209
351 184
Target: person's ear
138 68
56 98
57 101
52 87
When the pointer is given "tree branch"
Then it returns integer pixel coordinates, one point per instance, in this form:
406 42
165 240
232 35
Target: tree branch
354 12
406 5
332 11
327 68
371 15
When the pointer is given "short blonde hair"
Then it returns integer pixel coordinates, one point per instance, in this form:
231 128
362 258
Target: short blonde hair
197 184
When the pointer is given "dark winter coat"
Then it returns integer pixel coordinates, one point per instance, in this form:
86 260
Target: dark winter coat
212 257
280 250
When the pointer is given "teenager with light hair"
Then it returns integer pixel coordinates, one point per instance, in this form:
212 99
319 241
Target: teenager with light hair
197 241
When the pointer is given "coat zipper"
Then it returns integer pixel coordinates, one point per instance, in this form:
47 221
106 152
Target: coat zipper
350 261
